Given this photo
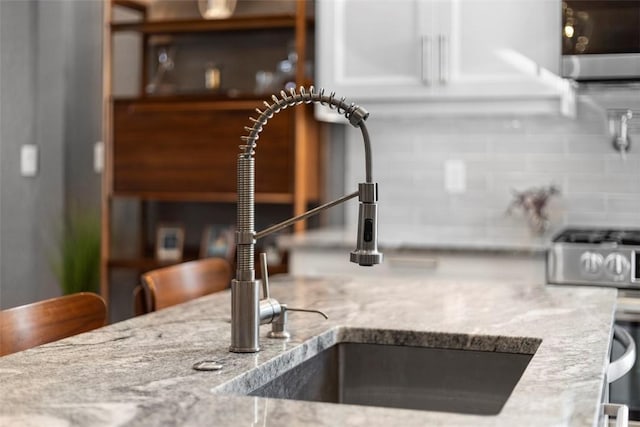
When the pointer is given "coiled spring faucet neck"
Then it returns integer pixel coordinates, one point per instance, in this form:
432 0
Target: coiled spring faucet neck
352 112
247 310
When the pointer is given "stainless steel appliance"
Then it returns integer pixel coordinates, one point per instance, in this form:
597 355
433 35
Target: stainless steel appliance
601 39
595 257
604 257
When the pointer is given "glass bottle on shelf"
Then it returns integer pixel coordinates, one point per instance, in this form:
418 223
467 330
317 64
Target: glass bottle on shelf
163 81
216 9
212 77
286 69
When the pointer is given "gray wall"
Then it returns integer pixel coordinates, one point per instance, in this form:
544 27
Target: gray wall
83 102
50 97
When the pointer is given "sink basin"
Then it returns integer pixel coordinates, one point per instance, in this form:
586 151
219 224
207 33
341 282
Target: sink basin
400 376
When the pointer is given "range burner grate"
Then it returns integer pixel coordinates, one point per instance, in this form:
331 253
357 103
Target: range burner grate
599 236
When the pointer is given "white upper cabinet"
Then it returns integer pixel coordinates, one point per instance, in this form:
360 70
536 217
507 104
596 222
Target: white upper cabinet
370 48
439 56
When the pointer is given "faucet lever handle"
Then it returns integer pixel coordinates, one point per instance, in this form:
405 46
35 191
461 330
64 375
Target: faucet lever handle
265 275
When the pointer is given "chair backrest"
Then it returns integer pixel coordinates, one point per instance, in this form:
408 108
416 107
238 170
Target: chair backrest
45 321
167 286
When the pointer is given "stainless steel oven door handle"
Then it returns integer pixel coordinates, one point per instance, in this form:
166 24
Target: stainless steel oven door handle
622 365
620 412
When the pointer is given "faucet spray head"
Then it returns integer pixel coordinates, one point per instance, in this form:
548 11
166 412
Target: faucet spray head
366 252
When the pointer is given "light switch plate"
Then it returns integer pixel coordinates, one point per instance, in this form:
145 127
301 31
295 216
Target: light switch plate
98 157
29 160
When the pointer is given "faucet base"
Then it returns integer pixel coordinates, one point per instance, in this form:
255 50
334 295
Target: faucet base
244 350
245 318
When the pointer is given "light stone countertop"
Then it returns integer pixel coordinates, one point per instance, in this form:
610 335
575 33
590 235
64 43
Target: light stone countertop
139 372
453 239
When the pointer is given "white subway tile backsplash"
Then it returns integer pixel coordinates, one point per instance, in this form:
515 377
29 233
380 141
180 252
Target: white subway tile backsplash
497 163
436 215
600 183
585 202
629 165
592 144
500 219
454 144
515 181
390 217
501 155
624 220
623 203
477 200
570 163
587 219
524 144
397 176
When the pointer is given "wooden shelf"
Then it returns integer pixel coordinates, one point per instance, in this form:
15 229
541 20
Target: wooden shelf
185 151
192 102
240 23
273 198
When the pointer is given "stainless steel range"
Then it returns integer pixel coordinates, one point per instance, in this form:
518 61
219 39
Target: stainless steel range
595 257
603 257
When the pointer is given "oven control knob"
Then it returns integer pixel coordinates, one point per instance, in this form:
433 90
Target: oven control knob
591 263
617 266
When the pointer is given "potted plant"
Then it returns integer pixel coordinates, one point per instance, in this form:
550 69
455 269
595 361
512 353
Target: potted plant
77 265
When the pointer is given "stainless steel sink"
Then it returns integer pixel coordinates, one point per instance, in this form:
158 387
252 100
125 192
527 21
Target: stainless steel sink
433 379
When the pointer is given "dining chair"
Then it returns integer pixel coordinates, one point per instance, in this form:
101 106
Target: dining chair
41 322
174 284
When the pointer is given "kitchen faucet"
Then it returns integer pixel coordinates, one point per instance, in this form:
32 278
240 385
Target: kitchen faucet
248 312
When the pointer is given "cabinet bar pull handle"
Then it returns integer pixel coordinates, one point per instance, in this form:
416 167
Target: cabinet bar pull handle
618 368
443 60
425 60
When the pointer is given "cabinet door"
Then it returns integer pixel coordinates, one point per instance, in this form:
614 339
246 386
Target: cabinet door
373 49
175 148
412 56
498 47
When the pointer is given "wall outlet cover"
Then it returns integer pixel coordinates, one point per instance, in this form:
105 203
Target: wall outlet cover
455 176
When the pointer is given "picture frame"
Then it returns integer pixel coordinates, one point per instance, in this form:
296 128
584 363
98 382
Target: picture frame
169 242
218 241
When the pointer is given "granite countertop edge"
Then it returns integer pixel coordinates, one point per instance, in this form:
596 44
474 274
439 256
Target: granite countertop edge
139 372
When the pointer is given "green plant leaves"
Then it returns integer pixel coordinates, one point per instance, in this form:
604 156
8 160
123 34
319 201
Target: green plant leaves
78 264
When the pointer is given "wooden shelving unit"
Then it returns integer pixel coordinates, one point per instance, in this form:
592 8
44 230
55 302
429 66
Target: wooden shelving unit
181 148
200 25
